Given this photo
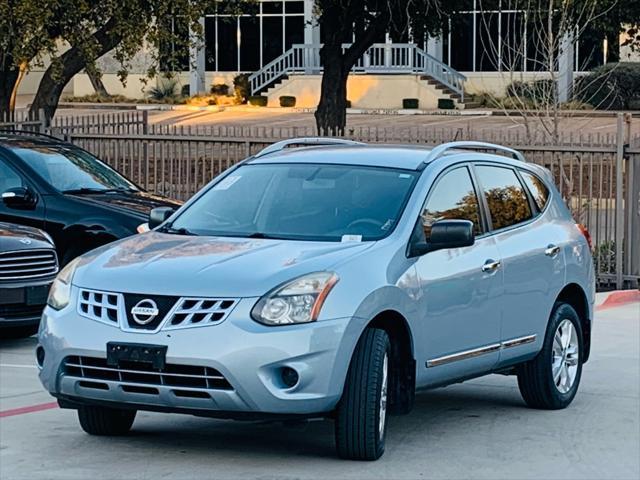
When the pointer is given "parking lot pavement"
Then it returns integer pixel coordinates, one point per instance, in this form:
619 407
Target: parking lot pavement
479 429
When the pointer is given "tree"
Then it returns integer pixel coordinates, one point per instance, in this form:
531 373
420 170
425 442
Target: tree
360 23
31 29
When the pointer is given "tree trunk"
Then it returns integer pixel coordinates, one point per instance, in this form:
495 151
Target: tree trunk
331 114
8 80
96 83
72 62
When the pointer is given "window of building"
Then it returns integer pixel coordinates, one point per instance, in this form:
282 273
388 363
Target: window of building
452 198
249 40
505 196
537 188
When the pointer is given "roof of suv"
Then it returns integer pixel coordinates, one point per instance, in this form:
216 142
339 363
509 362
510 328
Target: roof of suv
393 156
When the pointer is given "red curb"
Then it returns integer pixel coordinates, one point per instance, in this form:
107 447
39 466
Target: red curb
617 299
29 409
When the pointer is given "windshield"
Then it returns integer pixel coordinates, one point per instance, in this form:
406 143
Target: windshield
301 201
72 170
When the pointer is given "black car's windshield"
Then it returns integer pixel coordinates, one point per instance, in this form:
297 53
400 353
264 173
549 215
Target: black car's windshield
69 169
301 201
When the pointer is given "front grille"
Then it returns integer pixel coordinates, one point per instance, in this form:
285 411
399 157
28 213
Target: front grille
199 311
18 312
26 264
173 375
100 306
173 312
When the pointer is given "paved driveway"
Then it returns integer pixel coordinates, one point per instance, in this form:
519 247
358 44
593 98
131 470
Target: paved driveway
479 429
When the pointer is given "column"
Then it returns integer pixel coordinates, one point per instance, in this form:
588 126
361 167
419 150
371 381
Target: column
197 84
566 60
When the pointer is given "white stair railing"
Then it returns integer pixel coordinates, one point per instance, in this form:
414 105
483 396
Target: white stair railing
379 58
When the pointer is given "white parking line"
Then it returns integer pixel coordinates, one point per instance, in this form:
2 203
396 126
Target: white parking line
13 365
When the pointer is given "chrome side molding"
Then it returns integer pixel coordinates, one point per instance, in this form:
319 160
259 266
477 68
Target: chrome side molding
454 357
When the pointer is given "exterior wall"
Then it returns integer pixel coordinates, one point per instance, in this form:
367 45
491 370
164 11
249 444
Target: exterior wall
496 82
364 91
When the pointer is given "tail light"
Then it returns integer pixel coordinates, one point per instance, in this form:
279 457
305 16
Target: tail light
586 234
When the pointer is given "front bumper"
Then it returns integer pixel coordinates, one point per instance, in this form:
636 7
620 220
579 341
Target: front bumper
250 356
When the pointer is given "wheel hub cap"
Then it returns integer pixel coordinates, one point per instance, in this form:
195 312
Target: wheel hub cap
383 396
566 356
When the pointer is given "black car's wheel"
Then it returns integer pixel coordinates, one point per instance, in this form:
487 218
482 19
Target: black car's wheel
550 381
18 332
105 421
362 412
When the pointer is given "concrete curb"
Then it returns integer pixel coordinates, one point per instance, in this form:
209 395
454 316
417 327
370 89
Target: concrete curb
617 298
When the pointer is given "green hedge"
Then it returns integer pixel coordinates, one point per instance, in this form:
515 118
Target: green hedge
258 100
410 103
287 101
538 91
220 89
615 86
241 87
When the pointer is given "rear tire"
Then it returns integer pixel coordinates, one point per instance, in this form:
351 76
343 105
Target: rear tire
105 421
360 427
550 381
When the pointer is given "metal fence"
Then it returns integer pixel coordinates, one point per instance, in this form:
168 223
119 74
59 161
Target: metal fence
598 175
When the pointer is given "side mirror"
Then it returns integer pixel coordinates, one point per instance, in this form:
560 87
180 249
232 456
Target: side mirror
18 197
159 215
445 234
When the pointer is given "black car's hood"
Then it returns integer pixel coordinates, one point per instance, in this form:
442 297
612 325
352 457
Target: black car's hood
18 237
137 203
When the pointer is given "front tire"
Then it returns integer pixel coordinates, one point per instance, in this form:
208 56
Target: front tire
105 421
361 415
550 381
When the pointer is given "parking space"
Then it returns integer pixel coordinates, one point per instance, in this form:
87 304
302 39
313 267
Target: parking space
478 429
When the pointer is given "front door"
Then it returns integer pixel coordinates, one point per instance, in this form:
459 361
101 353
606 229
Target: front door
460 289
30 215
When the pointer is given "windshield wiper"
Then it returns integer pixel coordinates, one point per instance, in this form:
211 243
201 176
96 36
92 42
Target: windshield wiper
262 235
89 190
168 228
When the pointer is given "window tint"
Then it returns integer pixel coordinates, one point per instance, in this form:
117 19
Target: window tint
538 189
508 203
8 178
453 198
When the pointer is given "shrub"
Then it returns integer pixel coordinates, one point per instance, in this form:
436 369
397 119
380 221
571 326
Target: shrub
220 89
258 100
287 101
185 91
446 103
615 86
241 87
537 91
164 92
408 103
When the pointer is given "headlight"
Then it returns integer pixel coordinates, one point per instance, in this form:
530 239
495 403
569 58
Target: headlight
60 291
298 301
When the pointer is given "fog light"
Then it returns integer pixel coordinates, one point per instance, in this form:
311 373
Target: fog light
40 356
289 377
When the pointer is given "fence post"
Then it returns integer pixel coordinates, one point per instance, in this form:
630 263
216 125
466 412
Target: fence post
633 239
43 121
619 211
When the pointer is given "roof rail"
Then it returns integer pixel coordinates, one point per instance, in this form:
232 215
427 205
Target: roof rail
278 146
438 151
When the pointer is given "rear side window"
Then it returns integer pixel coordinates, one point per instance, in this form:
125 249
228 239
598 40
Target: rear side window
538 189
507 200
453 198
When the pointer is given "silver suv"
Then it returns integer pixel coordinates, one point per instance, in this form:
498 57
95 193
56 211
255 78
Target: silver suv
328 279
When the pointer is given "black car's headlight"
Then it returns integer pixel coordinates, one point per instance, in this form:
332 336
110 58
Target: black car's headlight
298 301
60 292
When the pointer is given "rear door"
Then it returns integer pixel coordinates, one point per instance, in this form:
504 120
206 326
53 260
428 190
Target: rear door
460 288
532 259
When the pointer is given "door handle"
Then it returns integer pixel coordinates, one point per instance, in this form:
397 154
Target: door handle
491 266
552 250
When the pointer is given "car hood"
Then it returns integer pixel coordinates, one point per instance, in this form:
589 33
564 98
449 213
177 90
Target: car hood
164 264
137 203
18 237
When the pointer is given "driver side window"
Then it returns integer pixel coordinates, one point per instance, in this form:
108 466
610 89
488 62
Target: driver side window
8 178
452 198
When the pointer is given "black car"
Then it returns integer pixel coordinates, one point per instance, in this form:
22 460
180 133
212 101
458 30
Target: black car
77 199
28 265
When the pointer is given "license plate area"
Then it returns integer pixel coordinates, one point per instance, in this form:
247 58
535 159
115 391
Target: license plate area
119 353
30 296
